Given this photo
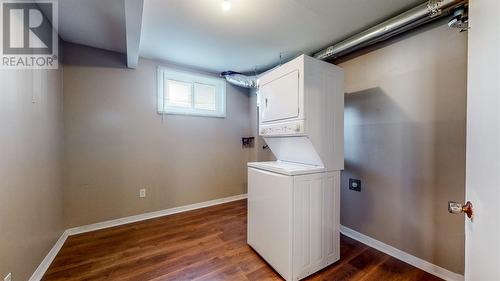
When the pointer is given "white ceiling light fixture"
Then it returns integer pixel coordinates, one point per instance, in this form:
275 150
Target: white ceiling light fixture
226 5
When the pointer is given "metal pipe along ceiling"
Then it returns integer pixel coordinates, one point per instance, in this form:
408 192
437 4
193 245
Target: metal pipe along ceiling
423 13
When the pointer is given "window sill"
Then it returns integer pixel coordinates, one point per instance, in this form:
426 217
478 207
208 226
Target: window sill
220 116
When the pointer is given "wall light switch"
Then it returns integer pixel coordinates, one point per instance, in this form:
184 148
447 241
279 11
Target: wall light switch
142 192
8 277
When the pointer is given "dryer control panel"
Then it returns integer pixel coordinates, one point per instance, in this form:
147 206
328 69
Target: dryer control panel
293 128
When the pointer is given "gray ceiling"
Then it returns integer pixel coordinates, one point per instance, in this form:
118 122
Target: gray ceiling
94 23
198 33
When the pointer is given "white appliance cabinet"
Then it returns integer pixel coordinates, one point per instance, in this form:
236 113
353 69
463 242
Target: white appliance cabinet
293 220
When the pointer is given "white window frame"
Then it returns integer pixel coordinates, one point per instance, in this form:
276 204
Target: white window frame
164 73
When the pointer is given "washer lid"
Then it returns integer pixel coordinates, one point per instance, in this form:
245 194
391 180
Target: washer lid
287 168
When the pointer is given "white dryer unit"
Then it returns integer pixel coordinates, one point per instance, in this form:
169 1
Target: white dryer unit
293 203
302 112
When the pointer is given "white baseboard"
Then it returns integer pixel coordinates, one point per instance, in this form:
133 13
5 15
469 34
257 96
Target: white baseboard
42 268
44 265
152 215
403 256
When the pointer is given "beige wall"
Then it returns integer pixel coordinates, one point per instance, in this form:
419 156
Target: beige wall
31 196
116 143
405 112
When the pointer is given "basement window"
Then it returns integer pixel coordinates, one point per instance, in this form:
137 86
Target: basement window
190 94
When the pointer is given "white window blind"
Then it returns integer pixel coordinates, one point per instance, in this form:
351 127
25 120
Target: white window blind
205 97
190 94
179 94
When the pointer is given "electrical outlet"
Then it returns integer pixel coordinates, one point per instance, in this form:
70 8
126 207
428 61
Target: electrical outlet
355 184
8 277
142 192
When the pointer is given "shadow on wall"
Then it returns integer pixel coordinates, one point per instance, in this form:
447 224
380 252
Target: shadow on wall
405 173
74 54
375 153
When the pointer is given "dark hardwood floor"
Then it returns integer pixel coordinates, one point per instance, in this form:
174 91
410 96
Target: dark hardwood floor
205 244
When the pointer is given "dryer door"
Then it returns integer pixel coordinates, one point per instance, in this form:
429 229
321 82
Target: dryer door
280 98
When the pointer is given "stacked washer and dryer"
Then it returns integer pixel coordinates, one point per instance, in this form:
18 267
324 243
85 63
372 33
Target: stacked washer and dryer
293 203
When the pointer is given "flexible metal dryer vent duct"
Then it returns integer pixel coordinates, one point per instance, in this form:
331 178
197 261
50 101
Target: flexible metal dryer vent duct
239 79
423 13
